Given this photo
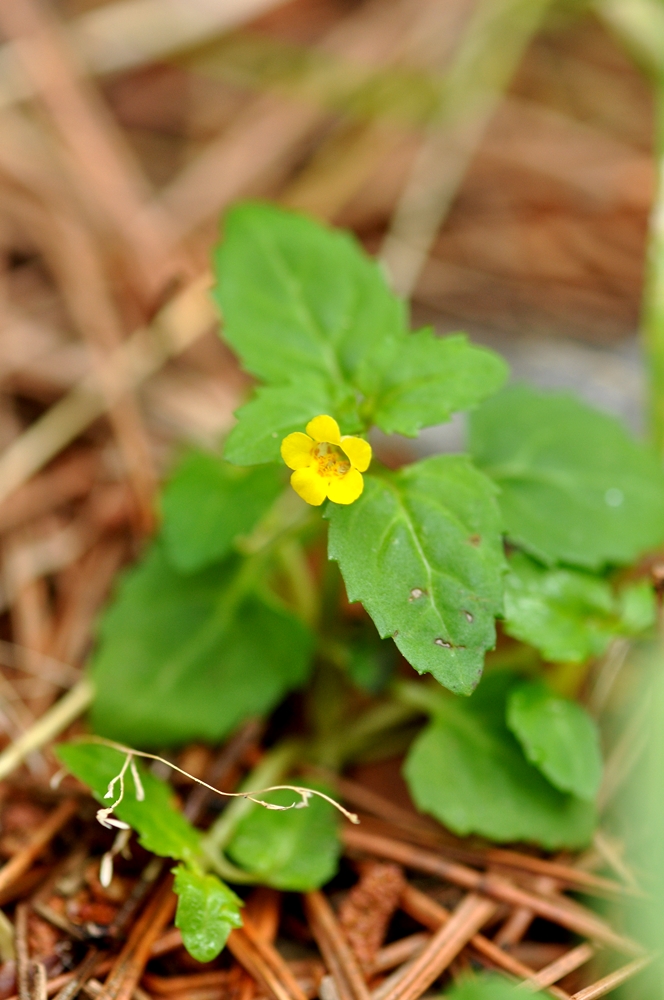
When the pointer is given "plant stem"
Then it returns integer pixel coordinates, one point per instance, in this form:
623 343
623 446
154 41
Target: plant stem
341 747
653 302
302 584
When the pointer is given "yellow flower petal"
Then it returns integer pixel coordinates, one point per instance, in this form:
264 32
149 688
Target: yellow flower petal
308 484
358 451
324 428
296 450
346 489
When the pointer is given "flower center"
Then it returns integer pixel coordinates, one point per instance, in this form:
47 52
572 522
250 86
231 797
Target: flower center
331 460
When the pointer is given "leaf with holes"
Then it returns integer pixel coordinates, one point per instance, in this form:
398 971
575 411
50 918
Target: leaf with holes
207 912
161 827
422 550
574 486
187 657
208 503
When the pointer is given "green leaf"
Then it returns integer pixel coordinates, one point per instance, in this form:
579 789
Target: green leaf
208 503
297 851
486 986
276 411
207 912
467 769
161 827
430 378
575 487
310 313
637 607
570 615
190 657
299 299
558 737
421 549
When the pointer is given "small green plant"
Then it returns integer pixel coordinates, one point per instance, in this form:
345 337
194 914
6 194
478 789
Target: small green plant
234 605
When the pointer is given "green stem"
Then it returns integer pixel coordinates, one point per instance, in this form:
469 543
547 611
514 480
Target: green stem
340 748
422 698
653 303
302 584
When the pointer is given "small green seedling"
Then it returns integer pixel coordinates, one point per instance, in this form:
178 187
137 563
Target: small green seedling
234 605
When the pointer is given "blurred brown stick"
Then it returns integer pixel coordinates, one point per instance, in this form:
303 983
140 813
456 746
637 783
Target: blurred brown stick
130 963
376 33
112 181
432 915
338 956
464 922
613 980
569 962
483 66
186 317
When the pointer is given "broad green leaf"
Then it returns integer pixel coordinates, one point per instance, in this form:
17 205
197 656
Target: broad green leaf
558 737
208 503
310 313
276 411
430 378
485 986
299 299
570 615
575 487
189 657
161 827
637 607
421 549
207 912
467 769
297 850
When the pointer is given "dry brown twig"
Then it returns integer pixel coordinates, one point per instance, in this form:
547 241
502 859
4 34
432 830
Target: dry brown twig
340 960
574 918
98 154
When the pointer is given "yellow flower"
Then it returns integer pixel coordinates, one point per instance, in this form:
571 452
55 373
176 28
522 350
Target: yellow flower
325 463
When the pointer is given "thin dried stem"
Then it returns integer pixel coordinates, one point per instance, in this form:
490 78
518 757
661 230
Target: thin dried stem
130 963
470 915
569 962
22 954
269 973
338 956
426 911
304 792
42 836
80 976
